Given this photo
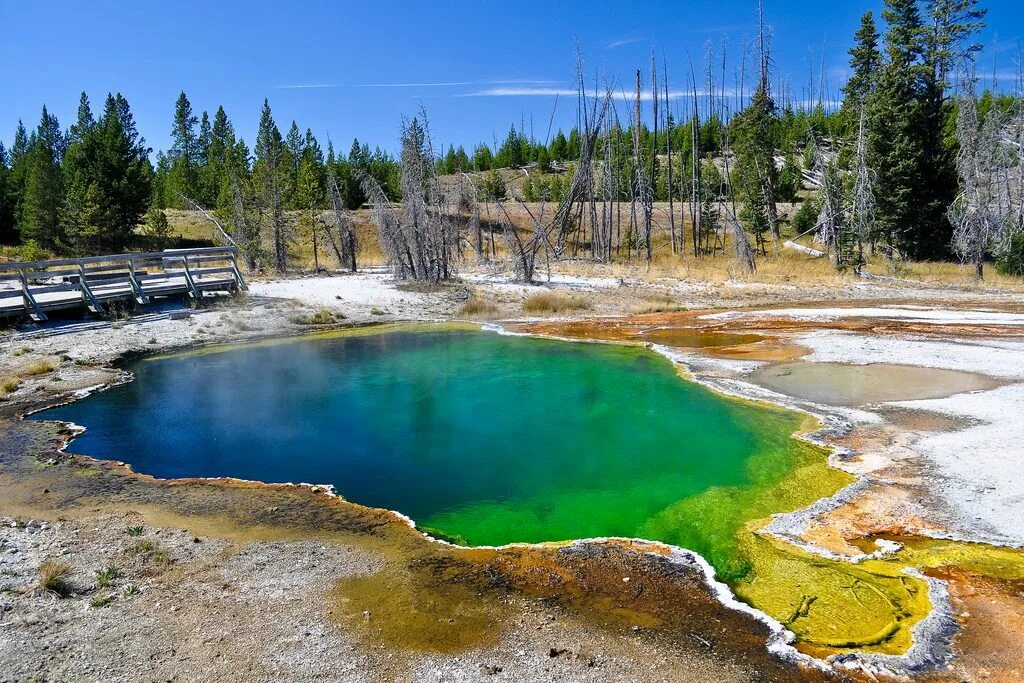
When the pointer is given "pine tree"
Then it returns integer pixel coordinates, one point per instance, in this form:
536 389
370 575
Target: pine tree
293 148
8 230
865 59
84 121
945 47
221 138
184 155
108 182
483 160
271 178
559 145
160 175
206 181
896 147
915 165
43 191
755 141
311 191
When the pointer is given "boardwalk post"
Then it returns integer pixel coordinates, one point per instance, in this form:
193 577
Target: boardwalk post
238 273
30 301
140 295
192 289
87 296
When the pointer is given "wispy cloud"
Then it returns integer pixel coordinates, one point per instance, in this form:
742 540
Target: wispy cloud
450 84
305 86
625 95
520 92
623 41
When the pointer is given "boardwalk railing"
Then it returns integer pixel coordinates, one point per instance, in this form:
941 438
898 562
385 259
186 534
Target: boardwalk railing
34 287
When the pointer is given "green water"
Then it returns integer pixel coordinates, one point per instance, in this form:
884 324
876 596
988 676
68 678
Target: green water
480 438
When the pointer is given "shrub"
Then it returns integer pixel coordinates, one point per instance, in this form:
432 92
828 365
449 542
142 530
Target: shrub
53 577
105 576
1012 261
551 302
31 251
324 316
144 547
493 187
157 229
133 530
101 601
147 550
806 216
9 384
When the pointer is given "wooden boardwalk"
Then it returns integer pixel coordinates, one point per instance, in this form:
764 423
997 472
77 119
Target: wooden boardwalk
35 287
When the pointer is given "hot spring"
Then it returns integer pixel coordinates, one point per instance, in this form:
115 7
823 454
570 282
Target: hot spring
484 439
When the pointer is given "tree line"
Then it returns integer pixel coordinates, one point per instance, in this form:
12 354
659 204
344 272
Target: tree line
901 167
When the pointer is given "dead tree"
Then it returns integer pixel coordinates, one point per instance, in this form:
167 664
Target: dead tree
862 195
985 215
654 155
668 150
969 211
642 194
832 226
743 252
525 251
593 114
343 239
420 244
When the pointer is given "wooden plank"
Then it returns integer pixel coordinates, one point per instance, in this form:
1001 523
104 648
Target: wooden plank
46 289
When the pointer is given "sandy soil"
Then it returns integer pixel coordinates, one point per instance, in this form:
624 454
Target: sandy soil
231 592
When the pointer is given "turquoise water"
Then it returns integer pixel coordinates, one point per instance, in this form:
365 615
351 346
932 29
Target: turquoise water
482 438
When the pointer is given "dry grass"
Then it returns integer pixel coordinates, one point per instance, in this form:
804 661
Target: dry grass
788 267
53 577
553 302
655 304
478 308
9 385
40 368
191 225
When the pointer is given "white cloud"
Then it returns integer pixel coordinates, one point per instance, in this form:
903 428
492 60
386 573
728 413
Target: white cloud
304 86
449 84
520 92
622 41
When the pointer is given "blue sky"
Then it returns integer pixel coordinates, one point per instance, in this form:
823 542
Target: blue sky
352 69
